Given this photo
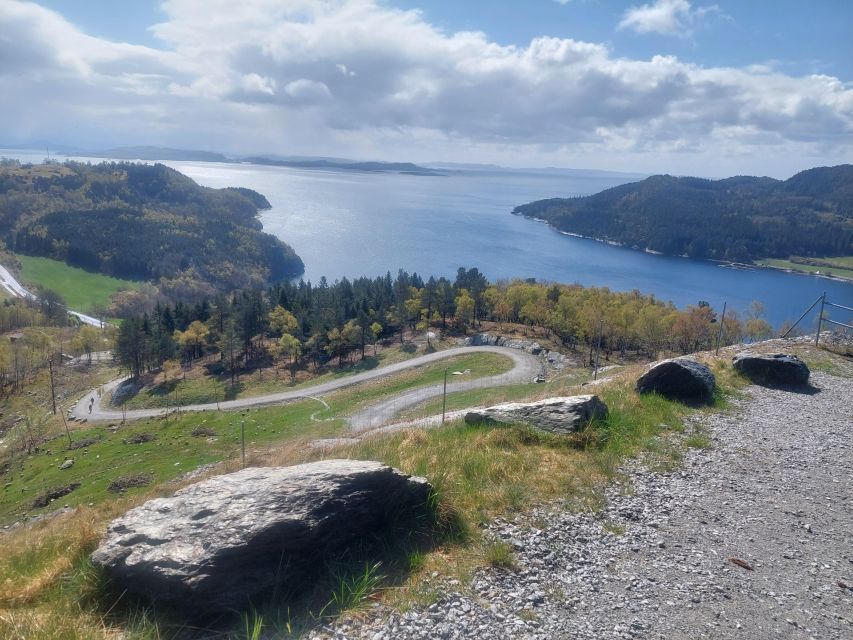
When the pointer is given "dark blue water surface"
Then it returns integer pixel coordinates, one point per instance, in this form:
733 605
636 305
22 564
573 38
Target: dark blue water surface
354 224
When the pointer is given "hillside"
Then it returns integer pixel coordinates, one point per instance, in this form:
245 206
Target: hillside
740 218
145 222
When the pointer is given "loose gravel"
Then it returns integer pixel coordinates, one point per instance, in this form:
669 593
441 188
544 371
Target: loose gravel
751 538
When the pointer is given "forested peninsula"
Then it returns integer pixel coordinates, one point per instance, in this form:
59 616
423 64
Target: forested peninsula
742 218
146 222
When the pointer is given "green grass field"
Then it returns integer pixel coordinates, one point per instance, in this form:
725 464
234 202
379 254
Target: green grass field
81 289
173 449
841 267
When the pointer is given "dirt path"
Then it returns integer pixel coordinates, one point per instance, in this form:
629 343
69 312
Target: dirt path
749 539
525 367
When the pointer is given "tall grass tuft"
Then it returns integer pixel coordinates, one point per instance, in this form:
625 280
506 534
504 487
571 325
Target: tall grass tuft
351 588
500 554
253 625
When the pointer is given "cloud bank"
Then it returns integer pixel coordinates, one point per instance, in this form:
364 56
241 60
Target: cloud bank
355 77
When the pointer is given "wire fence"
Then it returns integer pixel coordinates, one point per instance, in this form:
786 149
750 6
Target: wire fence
822 317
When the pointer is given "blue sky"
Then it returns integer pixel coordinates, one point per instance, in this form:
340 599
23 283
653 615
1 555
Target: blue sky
666 85
800 37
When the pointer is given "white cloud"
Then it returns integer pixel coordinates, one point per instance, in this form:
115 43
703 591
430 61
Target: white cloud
355 77
254 83
307 90
669 17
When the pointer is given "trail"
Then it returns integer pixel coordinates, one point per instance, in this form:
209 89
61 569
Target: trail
525 368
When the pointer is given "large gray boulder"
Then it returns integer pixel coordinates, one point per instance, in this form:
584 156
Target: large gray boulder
777 369
680 378
556 415
216 543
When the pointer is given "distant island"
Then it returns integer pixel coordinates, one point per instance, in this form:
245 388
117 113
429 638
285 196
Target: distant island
152 153
346 165
742 218
143 222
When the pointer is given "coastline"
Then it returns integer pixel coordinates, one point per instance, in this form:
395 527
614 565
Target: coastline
744 266
828 276
612 243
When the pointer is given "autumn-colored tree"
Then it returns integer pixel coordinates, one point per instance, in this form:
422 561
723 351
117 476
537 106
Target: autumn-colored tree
756 327
693 329
86 340
192 340
289 347
464 309
376 331
281 321
413 309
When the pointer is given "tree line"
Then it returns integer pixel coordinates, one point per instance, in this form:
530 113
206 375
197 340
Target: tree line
301 323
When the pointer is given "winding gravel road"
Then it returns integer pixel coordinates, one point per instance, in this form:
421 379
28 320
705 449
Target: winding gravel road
525 368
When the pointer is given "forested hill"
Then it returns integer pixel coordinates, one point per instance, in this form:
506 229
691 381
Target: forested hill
141 221
740 218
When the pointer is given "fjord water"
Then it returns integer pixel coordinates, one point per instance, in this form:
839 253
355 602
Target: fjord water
352 224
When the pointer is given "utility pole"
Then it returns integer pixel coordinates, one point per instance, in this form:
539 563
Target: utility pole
67 431
598 349
243 440
820 318
444 398
720 332
52 387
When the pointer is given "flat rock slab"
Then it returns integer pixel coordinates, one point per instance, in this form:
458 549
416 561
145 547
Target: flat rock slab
775 369
555 415
216 543
680 379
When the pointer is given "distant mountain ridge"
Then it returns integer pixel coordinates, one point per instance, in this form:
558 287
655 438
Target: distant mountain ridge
739 218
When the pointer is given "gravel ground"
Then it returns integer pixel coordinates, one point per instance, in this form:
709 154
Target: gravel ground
774 493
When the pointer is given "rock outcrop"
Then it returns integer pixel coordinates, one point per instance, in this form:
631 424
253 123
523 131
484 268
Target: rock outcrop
680 379
776 369
216 543
552 359
555 415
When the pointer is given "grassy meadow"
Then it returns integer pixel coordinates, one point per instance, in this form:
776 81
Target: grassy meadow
82 290
841 267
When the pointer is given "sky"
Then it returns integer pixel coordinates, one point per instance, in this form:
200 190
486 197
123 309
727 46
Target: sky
761 87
